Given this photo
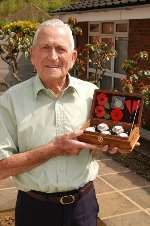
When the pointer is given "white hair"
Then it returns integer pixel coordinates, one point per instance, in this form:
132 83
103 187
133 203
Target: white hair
58 24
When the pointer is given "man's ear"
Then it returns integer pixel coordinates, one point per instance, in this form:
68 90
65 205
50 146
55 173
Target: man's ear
74 57
31 55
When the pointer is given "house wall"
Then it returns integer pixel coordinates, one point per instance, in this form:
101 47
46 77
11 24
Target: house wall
81 40
139 36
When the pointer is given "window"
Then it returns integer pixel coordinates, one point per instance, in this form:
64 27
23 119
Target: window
94 27
122 27
115 34
93 39
121 46
107 28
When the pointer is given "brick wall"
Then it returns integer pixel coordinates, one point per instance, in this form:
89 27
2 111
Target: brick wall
139 36
81 41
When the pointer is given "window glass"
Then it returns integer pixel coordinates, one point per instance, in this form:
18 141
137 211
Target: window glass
121 27
94 27
107 28
122 53
91 77
109 41
117 84
115 35
106 83
93 39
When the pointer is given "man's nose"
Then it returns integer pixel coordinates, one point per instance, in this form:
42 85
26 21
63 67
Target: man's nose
53 54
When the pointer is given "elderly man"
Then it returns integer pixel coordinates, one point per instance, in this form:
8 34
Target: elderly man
39 118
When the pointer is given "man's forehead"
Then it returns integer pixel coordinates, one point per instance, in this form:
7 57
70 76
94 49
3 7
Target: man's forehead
52 34
50 31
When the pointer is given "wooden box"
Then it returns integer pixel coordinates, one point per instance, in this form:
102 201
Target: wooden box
114 109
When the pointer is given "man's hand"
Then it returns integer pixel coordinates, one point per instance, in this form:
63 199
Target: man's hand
69 145
114 150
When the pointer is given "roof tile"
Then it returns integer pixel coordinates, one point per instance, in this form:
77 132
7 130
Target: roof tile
84 5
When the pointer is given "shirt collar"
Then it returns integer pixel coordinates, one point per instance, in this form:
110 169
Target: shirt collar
38 85
73 84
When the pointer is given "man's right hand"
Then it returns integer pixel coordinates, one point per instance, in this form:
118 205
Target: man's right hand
68 144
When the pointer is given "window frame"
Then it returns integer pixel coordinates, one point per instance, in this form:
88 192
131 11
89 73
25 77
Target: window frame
114 36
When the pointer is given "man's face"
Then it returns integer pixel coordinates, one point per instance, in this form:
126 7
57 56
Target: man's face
51 54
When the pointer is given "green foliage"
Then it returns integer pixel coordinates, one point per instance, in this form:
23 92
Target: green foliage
147 97
138 75
21 28
15 37
58 3
98 55
138 80
76 30
11 6
43 4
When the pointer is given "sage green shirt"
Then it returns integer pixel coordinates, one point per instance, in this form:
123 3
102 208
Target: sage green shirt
30 115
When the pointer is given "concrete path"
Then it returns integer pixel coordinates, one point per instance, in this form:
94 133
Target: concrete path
123 196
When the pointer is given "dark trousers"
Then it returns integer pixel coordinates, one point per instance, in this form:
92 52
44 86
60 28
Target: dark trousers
33 212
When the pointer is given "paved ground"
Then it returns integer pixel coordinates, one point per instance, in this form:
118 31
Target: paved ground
123 196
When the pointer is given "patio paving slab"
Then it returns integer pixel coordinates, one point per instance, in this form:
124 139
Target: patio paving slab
6 183
7 199
108 166
101 186
126 180
133 219
140 196
112 204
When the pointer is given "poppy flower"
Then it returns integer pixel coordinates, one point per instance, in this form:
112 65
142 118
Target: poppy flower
116 114
102 99
99 111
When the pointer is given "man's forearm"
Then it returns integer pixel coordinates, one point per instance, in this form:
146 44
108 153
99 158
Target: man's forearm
66 144
25 161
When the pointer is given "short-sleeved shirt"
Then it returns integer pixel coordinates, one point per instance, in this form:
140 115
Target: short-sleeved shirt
30 116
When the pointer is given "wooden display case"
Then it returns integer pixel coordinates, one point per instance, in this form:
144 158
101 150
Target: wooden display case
115 109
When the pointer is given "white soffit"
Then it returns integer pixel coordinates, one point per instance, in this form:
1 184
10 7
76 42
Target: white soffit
114 14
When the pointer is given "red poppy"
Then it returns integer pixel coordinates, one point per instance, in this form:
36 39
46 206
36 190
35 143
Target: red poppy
102 99
99 111
116 114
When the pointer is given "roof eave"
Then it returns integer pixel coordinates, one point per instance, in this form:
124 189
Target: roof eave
101 9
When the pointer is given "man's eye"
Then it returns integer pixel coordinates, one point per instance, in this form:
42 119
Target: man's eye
45 47
61 50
